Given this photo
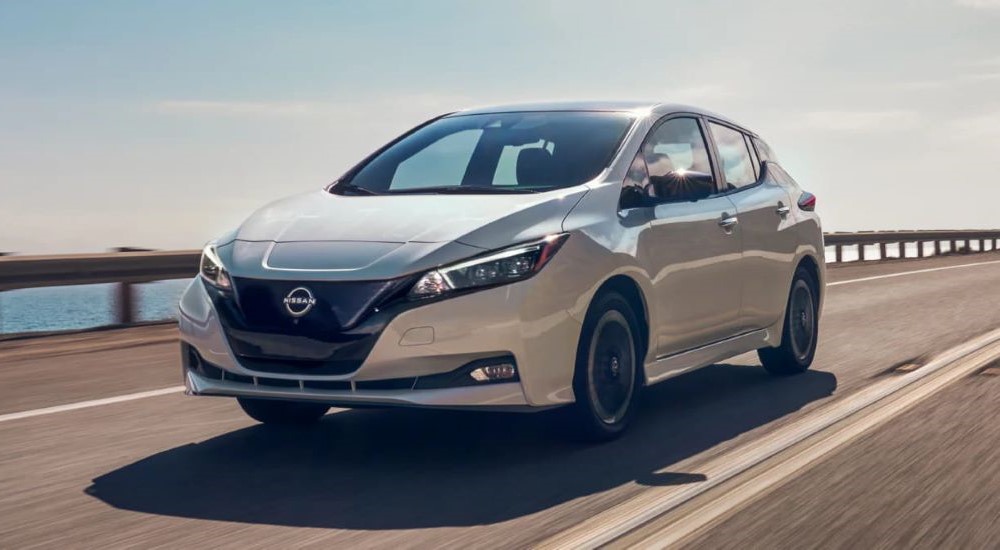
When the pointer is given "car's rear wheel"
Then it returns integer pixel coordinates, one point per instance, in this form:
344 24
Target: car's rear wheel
293 413
800 333
608 369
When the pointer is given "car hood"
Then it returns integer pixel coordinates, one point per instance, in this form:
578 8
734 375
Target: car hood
320 235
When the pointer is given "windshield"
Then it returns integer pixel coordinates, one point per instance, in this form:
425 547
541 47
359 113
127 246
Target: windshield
494 153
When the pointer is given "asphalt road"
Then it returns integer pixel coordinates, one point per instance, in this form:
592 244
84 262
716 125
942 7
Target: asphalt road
179 472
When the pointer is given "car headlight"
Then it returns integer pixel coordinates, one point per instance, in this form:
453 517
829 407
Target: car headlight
212 270
502 267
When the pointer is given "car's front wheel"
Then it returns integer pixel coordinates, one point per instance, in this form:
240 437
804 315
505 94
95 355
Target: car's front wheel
800 333
294 413
606 380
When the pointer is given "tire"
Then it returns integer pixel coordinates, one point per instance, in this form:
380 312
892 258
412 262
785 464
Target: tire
608 370
285 413
800 332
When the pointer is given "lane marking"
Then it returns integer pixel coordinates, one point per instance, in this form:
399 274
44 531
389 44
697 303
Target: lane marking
902 273
652 503
680 530
91 403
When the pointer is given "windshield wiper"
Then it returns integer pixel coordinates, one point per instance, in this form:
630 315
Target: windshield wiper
351 189
466 190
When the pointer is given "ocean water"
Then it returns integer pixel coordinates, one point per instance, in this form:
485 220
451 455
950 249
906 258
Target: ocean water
86 306
83 306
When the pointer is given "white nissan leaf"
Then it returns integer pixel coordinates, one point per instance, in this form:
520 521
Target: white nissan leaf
514 258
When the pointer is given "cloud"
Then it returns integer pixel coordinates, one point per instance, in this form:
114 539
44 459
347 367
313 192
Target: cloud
985 126
296 109
983 77
244 108
861 121
699 93
981 4
984 62
957 80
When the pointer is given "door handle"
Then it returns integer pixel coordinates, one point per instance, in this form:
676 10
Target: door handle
783 210
727 222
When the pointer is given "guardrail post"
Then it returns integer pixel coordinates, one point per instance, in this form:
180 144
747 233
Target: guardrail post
838 253
937 248
982 245
124 295
920 249
861 252
881 251
124 309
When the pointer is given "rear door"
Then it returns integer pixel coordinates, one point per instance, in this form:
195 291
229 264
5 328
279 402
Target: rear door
769 237
691 248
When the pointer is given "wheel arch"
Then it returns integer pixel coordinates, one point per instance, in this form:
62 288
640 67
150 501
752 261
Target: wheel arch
809 264
629 288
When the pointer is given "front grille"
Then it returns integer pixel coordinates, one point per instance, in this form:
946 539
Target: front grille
339 305
334 337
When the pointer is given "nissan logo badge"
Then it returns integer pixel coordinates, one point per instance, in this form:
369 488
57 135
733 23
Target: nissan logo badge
299 301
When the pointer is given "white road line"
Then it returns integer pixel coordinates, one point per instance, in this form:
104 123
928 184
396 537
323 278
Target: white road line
900 274
604 527
675 533
91 403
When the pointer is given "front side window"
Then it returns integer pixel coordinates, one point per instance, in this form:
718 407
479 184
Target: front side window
495 153
672 166
737 166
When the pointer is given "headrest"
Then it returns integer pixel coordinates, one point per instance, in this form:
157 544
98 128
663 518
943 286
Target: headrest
659 164
535 166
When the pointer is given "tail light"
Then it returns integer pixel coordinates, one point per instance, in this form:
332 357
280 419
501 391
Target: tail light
807 202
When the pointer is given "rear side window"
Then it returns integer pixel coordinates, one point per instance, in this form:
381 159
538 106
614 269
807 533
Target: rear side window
737 166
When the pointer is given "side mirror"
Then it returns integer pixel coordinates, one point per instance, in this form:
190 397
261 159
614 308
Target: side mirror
681 185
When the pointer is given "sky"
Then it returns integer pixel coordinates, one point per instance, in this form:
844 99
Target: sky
164 124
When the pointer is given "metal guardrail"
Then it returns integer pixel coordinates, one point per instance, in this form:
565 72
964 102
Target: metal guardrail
959 241
128 266
123 268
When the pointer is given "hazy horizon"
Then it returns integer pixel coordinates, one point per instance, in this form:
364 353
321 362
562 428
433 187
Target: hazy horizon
162 126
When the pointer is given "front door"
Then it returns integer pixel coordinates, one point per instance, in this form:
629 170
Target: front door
692 246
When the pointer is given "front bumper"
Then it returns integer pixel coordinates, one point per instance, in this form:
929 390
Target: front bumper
524 320
507 396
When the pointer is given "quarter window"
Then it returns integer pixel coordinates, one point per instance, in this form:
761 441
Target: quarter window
737 166
765 151
780 176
